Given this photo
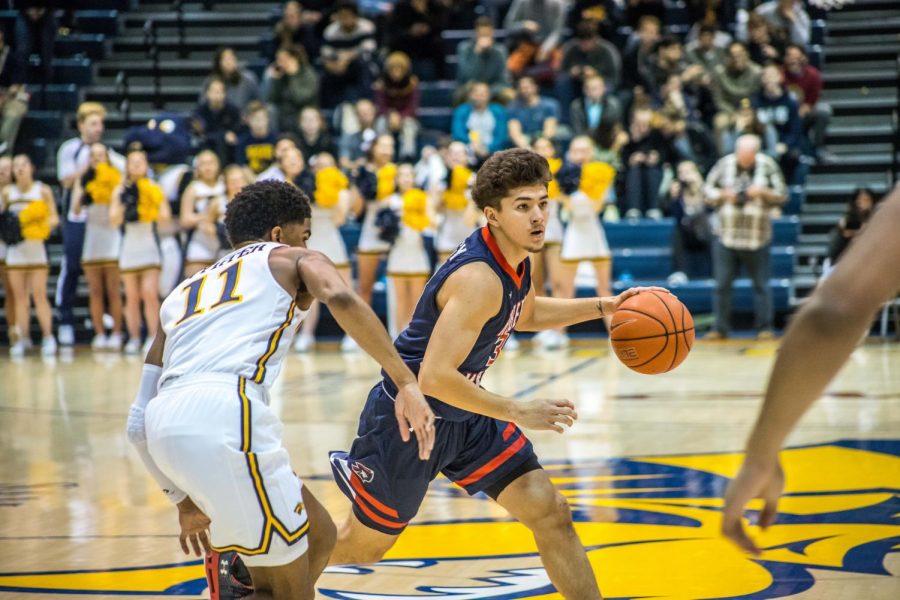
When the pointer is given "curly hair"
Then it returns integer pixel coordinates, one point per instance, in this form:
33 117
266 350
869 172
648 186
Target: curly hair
260 206
505 171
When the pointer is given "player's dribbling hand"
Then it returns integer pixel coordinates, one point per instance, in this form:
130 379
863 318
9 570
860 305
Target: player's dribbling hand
756 479
194 527
610 303
545 414
414 414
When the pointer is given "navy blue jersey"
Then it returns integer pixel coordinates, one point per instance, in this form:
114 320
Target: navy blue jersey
412 342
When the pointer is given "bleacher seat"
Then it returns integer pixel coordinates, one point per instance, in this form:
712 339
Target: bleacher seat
649 233
42 123
436 118
77 70
656 263
97 21
57 96
91 45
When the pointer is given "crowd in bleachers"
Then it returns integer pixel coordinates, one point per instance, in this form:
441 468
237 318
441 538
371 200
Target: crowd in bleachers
704 121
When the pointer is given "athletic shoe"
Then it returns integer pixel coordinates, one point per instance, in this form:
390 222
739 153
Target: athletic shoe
48 346
226 576
17 350
349 345
304 343
66 335
133 346
99 342
114 342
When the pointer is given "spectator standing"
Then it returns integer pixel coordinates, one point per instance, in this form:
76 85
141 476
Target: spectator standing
480 123
788 19
416 26
297 27
733 81
241 85
743 188
346 55
481 59
596 109
804 81
291 85
397 102
13 99
35 32
32 203
644 156
532 115
256 146
775 107
217 121
72 161
692 233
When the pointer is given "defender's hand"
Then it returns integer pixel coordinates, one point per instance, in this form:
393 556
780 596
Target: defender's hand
414 414
545 414
756 479
194 527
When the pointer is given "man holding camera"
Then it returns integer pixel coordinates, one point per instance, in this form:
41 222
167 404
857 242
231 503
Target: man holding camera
744 188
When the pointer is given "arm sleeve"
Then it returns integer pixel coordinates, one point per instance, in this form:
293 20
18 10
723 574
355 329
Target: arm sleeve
137 434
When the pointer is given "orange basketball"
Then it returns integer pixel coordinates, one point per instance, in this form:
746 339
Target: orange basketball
652 332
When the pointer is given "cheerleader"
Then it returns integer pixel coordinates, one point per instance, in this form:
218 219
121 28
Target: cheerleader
140 204
206 189
8 298
459 215
546 265
236 178
408 266
31 203
586 184
329 191
371 248
92 192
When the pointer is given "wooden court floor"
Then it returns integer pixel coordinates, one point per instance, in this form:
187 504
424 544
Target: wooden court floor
644 469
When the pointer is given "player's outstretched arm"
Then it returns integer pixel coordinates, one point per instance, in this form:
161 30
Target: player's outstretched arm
467 301
818 342
320 278
540 312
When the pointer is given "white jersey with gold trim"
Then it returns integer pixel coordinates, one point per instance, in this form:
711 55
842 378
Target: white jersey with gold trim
231 317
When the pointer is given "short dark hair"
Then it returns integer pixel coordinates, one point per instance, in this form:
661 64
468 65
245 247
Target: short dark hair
346 5
261 206
505 171
796 47
708 28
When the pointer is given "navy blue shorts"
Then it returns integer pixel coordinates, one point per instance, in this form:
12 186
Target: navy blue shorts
386 482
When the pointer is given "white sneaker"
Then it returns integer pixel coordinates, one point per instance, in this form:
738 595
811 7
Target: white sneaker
512 344
611 213
133 346
114 342
17 350
632 213
99 342
66 334
349 345
677 278
304 343
543 338
655 214
560 340
48 346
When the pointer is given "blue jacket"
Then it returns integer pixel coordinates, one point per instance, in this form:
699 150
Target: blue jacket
460 131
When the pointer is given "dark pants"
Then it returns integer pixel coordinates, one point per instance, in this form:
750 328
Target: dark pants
351 85
642 187
726 263
67 283
816 122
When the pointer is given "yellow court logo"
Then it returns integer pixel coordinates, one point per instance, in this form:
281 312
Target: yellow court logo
650 524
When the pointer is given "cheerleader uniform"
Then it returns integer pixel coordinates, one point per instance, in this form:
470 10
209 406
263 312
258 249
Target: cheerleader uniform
408 257
324 236
101 240
203 247
454 229
27 254
140 248
369 242
553 233
584 239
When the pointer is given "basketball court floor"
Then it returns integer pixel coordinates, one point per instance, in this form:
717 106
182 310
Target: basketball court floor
643 469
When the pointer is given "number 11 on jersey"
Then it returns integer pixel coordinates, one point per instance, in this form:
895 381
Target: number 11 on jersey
194 290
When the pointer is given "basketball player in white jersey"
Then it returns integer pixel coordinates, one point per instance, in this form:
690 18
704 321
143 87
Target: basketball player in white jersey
208 436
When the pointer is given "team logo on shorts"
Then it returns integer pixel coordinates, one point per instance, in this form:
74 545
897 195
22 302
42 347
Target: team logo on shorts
365 474
650 525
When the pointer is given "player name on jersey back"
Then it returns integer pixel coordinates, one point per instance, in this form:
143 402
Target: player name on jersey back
232 317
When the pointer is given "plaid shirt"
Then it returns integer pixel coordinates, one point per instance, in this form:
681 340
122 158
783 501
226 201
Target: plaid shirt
746 226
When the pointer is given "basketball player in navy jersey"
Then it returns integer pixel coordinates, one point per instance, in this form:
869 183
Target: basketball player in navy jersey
468 310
